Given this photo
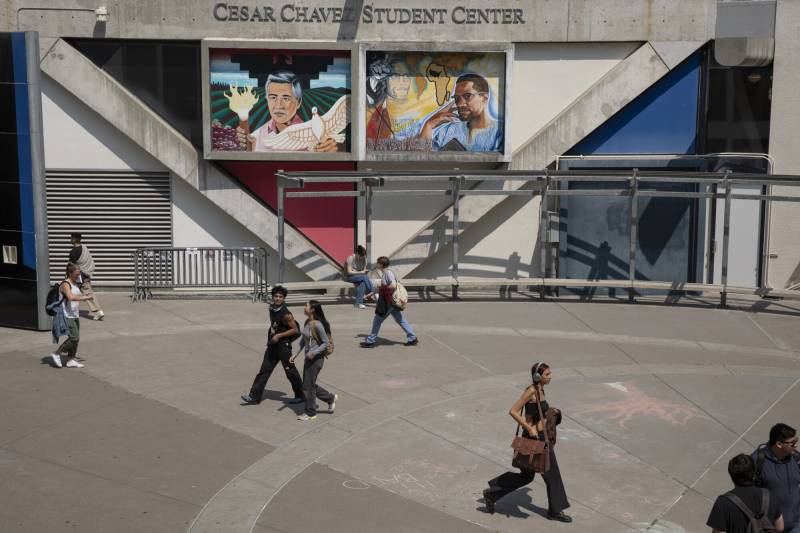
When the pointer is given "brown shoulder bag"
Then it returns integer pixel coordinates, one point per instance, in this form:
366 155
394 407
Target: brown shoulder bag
532 455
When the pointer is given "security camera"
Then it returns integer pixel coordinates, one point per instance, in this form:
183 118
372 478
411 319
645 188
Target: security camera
101 13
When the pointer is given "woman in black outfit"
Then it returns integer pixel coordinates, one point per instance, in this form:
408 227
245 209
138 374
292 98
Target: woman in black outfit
532 427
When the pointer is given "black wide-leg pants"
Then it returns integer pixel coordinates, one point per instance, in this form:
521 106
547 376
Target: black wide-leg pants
511 481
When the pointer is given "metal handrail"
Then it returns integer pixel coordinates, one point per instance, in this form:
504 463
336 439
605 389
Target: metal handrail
544 183
202 268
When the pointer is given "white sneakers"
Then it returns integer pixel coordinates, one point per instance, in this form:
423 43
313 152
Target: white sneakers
98 315
362 306
71 363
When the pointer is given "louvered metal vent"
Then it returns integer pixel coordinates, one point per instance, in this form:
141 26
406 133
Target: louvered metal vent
116 212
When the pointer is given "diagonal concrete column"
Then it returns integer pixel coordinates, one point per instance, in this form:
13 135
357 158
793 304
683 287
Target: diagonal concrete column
630 78
129 115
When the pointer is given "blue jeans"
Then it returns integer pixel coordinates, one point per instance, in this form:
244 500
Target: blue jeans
363 286
397 314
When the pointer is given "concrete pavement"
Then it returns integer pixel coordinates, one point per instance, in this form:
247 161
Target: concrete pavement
151 434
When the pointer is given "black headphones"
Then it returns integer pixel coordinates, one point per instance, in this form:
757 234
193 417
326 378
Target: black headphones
537 377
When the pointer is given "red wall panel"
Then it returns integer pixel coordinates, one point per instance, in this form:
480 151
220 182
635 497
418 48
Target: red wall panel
328 222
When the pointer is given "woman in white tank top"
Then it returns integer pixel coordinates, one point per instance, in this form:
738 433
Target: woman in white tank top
70 303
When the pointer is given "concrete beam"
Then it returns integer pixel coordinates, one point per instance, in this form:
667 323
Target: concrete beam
630 78
521 20
783 266
130 116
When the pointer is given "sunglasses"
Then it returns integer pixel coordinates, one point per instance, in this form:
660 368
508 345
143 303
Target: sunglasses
466 97
792 443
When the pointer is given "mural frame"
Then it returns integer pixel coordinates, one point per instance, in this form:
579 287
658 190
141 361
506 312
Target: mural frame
272 44
467 157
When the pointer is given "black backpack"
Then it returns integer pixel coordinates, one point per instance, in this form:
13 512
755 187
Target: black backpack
758 523
54 299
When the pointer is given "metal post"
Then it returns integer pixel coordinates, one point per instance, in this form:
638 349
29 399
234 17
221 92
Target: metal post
544 227
634 226
726 231
281 221
456 184
368 218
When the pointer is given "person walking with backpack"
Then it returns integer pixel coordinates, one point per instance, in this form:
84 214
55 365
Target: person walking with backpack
82 258
386 306
317 344
777 470
746 508
283 330
356 271
66 320
540 424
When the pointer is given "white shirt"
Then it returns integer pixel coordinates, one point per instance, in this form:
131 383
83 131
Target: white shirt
72 308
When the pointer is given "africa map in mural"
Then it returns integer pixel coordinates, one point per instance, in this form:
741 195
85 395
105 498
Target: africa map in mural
279 100
435 102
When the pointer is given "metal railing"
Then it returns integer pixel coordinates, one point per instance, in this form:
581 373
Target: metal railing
235 270
549 184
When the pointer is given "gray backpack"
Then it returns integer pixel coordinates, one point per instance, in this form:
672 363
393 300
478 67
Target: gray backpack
758 523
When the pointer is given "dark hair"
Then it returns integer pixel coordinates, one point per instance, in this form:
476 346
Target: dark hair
360 250
76 236
540 367
780 432
742 470
478 81
71 267
319 314
383 261
278 289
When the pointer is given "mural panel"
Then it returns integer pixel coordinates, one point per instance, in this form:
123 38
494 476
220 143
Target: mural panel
435 101
279 101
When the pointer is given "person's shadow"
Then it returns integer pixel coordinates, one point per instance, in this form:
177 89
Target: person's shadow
512 272
274 395
515 504
379 341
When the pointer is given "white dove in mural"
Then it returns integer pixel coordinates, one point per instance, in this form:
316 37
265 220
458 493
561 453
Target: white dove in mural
306 135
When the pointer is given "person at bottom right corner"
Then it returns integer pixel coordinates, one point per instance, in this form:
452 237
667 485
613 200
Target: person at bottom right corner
731 511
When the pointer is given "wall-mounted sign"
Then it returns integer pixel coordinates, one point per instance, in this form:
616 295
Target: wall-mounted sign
277 103
440 103
303 14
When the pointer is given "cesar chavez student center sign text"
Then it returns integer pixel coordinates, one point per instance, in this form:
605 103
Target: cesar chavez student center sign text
298 14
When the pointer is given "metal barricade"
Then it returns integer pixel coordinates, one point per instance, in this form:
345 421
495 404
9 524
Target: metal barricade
203 269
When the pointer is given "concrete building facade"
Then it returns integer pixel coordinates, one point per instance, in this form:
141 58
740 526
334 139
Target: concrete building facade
125 92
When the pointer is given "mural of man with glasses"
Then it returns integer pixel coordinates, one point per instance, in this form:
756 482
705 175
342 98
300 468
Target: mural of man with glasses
465 123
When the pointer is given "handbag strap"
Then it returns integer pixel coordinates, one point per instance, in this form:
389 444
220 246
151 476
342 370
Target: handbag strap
539 407
541 415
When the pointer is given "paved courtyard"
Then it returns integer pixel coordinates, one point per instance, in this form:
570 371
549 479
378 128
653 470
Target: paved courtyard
151 435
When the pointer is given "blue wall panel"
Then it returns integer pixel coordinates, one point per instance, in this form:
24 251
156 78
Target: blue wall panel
661 121
18 282
595 237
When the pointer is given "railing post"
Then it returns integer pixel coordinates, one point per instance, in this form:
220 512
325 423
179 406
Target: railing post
368 218
456 189
634 226
726 233
281 251
544 227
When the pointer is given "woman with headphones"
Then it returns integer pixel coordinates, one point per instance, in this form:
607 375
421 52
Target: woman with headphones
533 427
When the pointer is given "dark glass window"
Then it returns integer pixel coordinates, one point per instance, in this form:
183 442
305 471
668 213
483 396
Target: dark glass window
165 75
739 102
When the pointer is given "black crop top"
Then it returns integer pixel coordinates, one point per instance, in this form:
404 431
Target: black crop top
532 411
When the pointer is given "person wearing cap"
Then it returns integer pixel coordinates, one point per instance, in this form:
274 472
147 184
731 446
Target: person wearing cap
81 257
